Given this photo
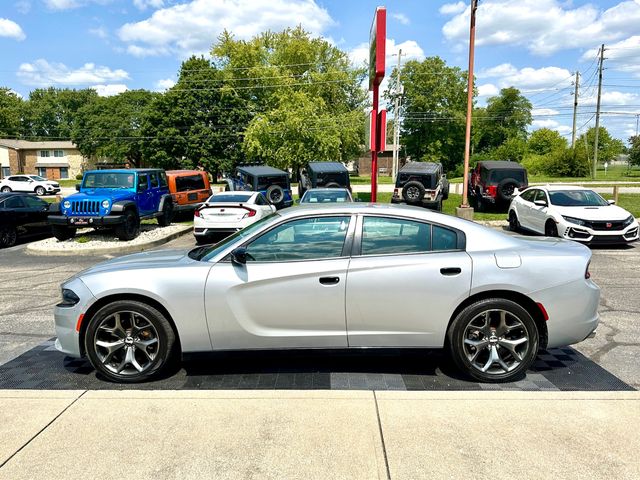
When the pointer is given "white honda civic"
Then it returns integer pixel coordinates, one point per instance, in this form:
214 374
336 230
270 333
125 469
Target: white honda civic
572 212
227 212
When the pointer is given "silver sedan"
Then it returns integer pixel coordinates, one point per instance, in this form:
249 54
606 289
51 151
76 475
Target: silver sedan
337 276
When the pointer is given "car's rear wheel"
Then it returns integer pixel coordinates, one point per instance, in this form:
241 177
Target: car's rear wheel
413 192
129 341
130 227
514 224
40 191
63 233
494 340
551 229
8 236
445 189
164 220
5 189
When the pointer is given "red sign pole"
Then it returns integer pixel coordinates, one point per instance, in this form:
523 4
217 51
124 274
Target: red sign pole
377 42
374 152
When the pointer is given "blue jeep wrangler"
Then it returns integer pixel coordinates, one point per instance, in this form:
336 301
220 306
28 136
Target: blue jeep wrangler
116 199
274 184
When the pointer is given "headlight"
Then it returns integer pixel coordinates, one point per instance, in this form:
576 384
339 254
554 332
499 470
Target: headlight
628 221
577 221
66 204
105 204
69 298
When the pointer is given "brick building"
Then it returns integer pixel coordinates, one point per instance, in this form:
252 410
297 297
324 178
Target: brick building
53 160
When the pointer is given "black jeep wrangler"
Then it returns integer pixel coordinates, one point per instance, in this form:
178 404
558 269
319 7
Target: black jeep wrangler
494 183
323 175
421 183
274 184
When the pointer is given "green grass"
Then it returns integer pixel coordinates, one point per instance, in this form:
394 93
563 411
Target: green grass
68 182
82 239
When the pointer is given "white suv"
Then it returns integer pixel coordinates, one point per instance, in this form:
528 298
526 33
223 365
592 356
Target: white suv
29 183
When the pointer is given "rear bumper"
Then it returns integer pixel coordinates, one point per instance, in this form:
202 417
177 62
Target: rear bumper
106 221
209 232
187 207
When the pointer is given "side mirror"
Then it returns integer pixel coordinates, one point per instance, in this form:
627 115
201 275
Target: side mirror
611 202
77 187
239 256
540 203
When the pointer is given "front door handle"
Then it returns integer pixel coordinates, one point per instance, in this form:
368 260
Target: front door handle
329 280
450 271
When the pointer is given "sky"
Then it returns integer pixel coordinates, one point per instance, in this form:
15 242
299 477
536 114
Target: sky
534 45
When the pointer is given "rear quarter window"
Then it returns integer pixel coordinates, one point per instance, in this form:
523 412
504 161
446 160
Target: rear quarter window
189 182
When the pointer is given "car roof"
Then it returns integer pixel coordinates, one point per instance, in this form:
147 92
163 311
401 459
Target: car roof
420 167
327 167
554 188
327 189
185 172
498 164
261 170
126 170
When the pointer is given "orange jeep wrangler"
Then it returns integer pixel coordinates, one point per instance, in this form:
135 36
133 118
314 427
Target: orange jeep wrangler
189 188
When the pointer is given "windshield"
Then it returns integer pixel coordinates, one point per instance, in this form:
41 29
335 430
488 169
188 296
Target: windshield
37 178
577 198
332 196
109 180
225 197
207 252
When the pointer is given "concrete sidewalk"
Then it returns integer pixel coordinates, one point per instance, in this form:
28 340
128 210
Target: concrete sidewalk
318 434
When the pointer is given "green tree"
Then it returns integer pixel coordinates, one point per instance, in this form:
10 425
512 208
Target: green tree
506 116
11 113
567 162
634 150
52 113
110 127
545 140
434 111
608 147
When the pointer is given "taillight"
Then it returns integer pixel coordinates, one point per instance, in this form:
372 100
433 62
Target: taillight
395 192
587 273
250 213
196 213
492 190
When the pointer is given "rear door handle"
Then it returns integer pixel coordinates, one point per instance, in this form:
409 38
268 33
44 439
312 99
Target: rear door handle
329 280
450 271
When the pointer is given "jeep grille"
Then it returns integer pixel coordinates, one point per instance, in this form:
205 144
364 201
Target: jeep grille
84 207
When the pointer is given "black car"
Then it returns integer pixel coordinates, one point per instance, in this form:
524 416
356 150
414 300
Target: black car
323 175
422 184
21 213
493 183
274 184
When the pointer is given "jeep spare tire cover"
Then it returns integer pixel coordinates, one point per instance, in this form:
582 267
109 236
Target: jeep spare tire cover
413 192
275 194
506 188
333 185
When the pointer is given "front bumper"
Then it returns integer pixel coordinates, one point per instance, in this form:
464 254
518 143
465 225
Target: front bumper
67 319
589 236
86 221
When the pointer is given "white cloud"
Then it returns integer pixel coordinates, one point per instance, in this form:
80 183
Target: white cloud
401 17
165 84
109 90
488 90
11 29
544 111
143 4
43 73
23 6
544 26
452 8
99 32
194 26
410 51
528 78
623 56
552 124
69 4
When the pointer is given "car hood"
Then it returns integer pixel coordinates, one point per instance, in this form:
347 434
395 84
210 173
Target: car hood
114 194
608 212
145 260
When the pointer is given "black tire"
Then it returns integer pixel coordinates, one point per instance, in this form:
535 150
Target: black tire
514 224
275 195
202 240
8 236
63 233
550 229
153 357
130 227
468 327
506 188
5 189
166 218
413 192
40 191
445 189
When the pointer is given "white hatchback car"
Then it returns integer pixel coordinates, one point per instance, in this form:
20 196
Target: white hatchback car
572 212
228 212
29 183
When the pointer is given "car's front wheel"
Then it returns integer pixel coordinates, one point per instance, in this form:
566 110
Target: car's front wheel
130 227
40 191
550 229
494 340
129 341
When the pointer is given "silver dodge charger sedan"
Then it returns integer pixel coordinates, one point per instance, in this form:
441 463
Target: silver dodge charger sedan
336 276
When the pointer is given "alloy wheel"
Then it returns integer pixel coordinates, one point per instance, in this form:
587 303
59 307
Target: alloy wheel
413 193
495 342
126 343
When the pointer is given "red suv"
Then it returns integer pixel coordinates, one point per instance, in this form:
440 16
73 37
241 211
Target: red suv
494 183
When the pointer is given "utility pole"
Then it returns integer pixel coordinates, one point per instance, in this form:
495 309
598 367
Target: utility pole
396 128
595 151
575 110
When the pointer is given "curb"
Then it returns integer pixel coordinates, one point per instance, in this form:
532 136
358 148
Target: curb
33 249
